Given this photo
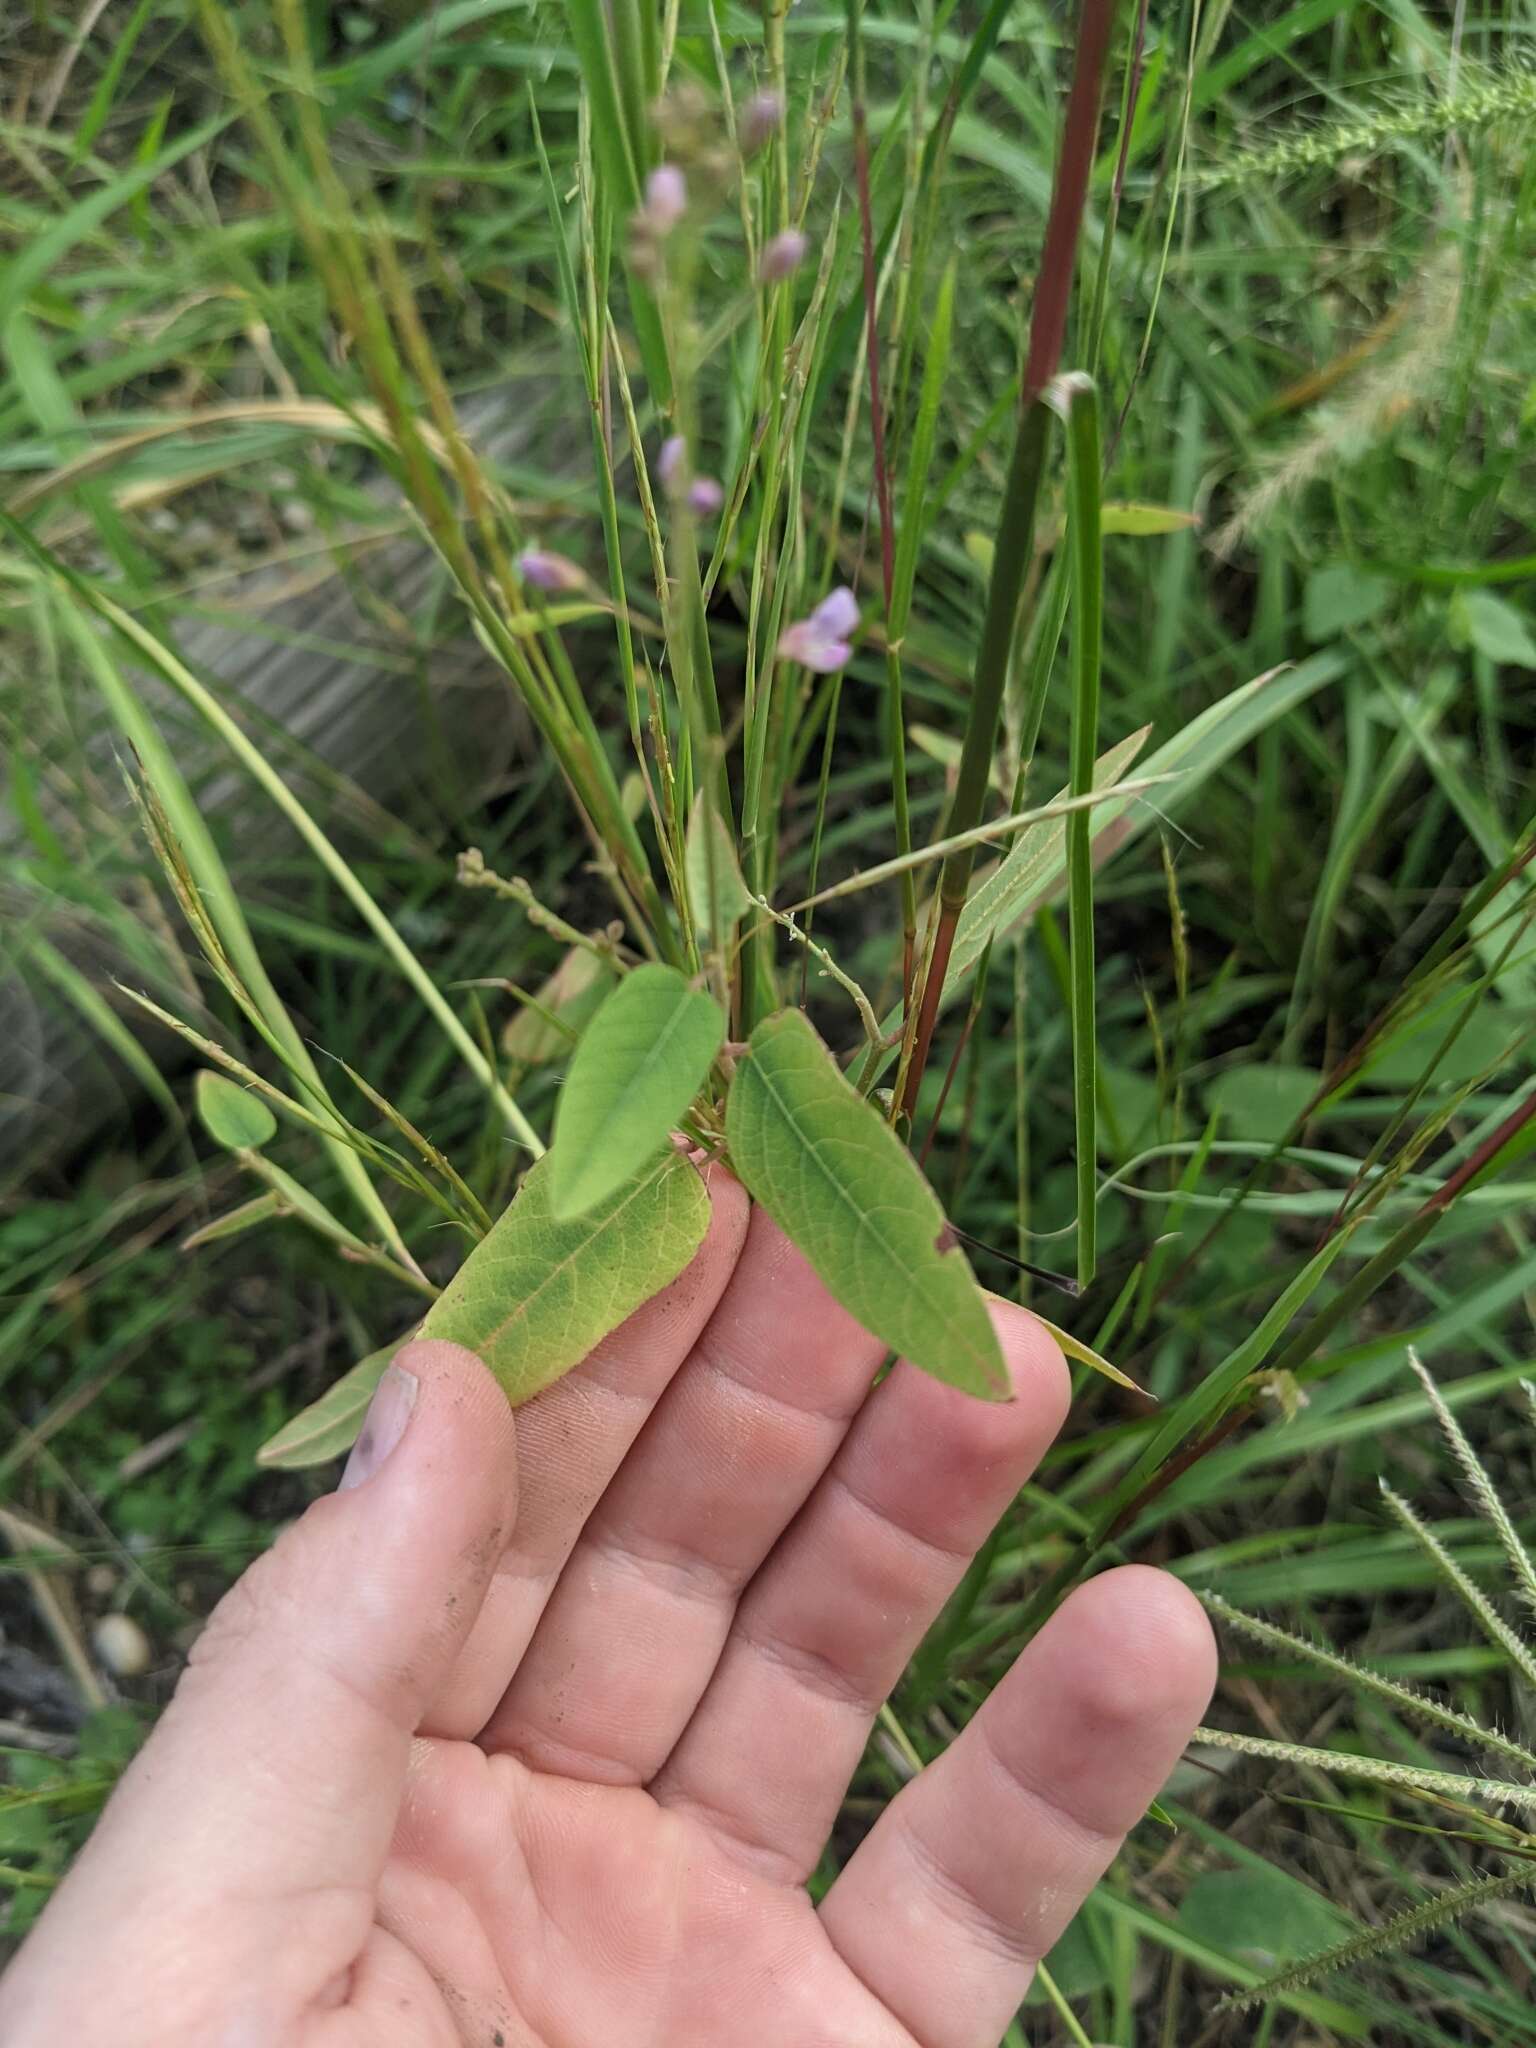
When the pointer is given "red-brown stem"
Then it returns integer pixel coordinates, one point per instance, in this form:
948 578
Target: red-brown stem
1176 1467
933 989
1469 1169
949 1081
1014 548
1058 259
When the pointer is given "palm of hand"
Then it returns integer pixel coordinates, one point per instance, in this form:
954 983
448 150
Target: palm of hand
451 1774
565 1915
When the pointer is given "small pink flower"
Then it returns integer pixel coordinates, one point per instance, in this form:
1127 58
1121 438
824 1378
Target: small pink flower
781 257
550 572
671 463
761 118
821 642
666 199
705 496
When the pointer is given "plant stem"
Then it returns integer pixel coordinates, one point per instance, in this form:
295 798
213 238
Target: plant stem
1082 412
1015 541
1015 537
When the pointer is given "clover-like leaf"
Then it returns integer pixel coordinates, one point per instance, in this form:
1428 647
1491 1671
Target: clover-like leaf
838 1181
535 1295
232 1116
641 1061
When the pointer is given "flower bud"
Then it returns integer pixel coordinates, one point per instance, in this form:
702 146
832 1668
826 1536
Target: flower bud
550 572
705 496
666 199
761 118
781 257
671 463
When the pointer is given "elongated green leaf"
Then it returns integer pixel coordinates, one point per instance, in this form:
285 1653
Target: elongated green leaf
622 158
1196 751
837 1180
1143 522
1035 864
641 1061
717 895
1084 1354
535 1296
232 1116
259 1209
327 1427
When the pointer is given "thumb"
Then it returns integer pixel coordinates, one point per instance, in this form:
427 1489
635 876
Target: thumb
277 1770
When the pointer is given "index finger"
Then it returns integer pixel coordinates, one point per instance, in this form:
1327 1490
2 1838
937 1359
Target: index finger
571 1439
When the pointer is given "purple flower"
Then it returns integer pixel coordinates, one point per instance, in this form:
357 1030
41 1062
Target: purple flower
666 199
550 572
705 496
671 462
821 642
761 117
781 257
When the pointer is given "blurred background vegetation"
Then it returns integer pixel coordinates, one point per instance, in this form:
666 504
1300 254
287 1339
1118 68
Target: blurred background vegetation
1318 350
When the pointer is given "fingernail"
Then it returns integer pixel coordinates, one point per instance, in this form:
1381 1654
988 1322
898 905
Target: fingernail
383 1426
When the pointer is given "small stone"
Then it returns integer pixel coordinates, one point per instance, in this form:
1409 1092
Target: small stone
122 1645
101 1580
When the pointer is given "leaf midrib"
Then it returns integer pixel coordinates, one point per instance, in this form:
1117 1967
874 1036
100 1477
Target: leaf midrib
499 1330
862 1217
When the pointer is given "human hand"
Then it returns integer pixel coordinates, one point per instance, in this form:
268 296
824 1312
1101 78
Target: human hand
448 1770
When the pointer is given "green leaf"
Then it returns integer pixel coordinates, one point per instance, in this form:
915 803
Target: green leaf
569 996
260 1209
641 1061
327 1427
1483 1040
717 895
232 1116
836 1179
944 748
981 550
535 1296
1261 1917
1084 1354
1261 1101
1143 522
1339 597
1036 863
1494 627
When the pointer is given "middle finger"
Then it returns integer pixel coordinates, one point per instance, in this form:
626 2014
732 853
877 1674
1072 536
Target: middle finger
633 1631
